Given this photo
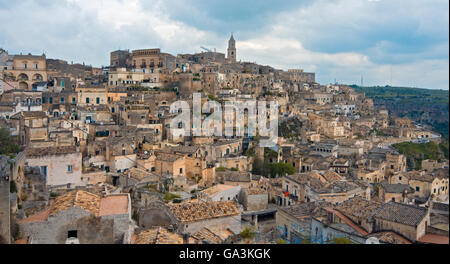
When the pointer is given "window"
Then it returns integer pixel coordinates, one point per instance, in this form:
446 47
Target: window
87 100
181 170
36 66
417 189
50 100
43 100
72 233
400 178
24 65
74 100
62 100
98 100
44 170
69 168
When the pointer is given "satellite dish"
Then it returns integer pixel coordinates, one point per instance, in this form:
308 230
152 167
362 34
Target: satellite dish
372 240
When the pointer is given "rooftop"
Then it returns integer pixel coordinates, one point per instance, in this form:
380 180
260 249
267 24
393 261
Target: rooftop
109 205
217 189
358 207
157 235
49 151
401 213
198 211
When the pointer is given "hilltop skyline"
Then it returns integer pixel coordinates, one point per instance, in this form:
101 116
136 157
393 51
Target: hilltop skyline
340 40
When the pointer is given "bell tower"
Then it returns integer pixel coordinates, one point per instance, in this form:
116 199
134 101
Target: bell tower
231 55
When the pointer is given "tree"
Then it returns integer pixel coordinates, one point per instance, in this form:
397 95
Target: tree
8 144
248 233
279 169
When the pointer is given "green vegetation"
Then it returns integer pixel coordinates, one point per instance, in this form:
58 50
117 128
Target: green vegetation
250 152
379 133
290 128
234 169
53 195
405 94
8 144
444 148
415 152
341 240
213 98
426 106
170 196
152 187
272 169
305 241
248 233
221 169
281 241
12 187
270 154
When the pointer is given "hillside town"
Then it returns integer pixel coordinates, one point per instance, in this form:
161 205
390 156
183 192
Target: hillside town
88 157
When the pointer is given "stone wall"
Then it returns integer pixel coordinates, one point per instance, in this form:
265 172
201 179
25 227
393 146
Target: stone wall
90 229
232 222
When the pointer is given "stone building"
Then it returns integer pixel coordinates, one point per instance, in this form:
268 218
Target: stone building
193 216
220 192
408 220
231 51
293 223
60 165
80 217
28 70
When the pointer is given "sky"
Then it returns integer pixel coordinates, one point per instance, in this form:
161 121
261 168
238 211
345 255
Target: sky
381 42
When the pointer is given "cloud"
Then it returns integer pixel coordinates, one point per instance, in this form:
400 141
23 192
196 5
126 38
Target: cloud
340 39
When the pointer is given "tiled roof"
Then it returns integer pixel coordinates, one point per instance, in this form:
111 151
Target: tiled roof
217 189
157 235
85 200
332 176
390 237
401 213
440 206
358 207
304 210
198 211
208 236
348 221
396 188
256 191
109 205
168 157
434 239
47 151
